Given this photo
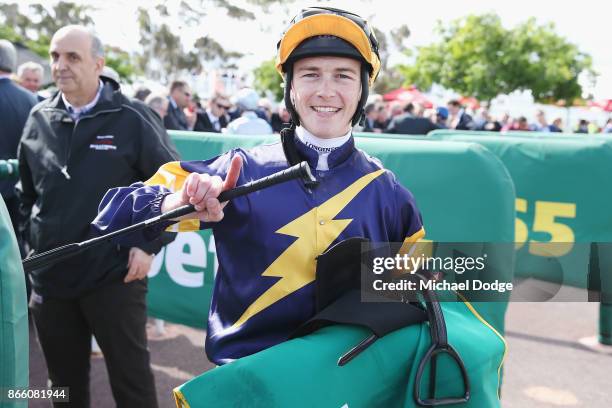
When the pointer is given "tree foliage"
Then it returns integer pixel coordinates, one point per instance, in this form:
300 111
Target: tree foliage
35 29
164 53
390 78
268 79
477 56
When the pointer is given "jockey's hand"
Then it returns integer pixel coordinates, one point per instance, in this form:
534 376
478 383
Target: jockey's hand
202 190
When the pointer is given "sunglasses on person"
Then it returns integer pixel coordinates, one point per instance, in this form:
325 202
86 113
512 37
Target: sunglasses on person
220 106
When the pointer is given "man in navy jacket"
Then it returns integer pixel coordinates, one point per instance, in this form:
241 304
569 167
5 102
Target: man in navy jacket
15 105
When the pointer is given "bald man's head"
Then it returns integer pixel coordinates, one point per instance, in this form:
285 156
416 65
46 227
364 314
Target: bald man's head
77 59
96 46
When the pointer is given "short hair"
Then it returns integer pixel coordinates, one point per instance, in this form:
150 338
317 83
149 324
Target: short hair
30 66
409 107
370 107
219 95
142 93
8 56
177 85
454 102
155 101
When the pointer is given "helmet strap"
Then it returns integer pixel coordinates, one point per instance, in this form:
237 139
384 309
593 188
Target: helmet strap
295 119
359 116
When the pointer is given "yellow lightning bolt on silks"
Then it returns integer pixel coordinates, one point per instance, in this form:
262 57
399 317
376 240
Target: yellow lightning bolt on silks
315 231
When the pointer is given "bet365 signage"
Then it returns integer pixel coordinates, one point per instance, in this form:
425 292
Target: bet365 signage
190 260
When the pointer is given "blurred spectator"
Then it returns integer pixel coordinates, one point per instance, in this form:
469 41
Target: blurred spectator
506 121
457 118
159 104
142 93
264 109
541 124
408 124
15 105
418 111
179 99
281 118
488 123
396 108
248 123
480 117
556 126
382 119
521 124
30 76
608 127
215 117
370 118
583 126
441 117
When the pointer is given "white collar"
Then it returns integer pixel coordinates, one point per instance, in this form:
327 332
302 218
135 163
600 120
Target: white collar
75 112
318 143
322 146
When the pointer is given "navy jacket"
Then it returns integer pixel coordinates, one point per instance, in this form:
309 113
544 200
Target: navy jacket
407 124
15 105
175 119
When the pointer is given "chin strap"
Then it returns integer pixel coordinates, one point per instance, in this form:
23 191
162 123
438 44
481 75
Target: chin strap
295 119
291 154
359 116
288 141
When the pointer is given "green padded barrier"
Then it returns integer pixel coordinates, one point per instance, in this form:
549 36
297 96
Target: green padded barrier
556 180
513 133
546 169
13 314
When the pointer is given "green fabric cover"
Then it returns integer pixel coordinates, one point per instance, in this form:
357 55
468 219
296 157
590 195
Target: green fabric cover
303 372
13 313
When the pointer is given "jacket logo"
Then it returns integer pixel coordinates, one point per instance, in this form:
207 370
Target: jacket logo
104 142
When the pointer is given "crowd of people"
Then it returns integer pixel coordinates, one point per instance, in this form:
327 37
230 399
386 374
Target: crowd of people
181 109
414 119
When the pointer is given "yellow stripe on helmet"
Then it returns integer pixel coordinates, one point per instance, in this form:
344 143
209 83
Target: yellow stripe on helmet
327 24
